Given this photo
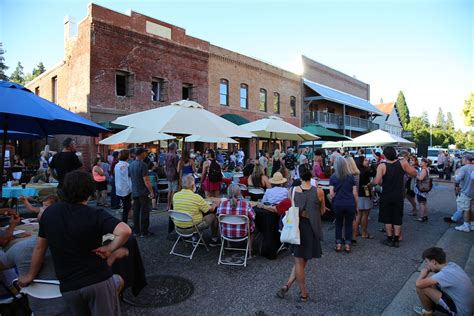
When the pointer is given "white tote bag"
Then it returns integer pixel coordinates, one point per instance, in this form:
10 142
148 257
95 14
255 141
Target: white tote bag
290 233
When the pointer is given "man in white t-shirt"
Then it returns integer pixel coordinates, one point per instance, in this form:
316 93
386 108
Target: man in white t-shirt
448 290
123 183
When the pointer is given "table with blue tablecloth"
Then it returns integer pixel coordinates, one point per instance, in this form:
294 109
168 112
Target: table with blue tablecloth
17 191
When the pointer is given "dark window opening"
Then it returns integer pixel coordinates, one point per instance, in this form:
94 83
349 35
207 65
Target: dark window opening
121 84
293 106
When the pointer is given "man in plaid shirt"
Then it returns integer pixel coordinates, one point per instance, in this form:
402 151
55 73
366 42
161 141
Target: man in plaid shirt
235 205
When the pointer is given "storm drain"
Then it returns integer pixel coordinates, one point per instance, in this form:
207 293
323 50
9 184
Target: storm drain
161 291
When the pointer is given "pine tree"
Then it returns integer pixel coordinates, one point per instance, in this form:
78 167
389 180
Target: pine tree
38 70
440 122
3 67
449 121
17 75
403 109
425 119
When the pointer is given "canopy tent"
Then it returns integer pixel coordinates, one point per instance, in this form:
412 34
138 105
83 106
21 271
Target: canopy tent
275 128
324 133
134 135
205 139
236 119
374 138
23 111
184 118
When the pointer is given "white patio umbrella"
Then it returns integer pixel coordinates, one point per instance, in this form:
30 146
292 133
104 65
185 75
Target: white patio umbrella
275 128
374 138
206 139
133 135
184 118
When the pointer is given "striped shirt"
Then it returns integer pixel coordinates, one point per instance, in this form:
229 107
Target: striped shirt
189 202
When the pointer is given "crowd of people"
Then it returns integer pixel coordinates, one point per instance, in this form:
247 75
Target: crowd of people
72 229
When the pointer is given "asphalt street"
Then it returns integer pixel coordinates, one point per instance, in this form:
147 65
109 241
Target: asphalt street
363 282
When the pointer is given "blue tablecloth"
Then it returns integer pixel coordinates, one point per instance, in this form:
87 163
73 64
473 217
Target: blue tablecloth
16 192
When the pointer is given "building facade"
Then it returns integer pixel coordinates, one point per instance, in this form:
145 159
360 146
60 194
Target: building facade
118 64
390 120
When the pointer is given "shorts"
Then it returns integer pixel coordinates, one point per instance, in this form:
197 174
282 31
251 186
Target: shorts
420 198
448 300
173 186
101 186
391 212
206 222
463 202
365 203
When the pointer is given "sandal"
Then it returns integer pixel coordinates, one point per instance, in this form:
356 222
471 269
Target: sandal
369 236
283 291
303 299
347 249
338 248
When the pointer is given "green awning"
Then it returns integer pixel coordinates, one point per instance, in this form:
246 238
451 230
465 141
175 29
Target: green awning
236 119
324 133
110 125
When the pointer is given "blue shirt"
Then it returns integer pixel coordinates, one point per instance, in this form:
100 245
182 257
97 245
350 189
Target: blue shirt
343 190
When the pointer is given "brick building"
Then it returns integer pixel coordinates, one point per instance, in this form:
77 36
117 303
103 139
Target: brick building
118 64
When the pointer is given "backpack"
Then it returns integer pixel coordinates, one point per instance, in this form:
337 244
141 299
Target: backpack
290 162
215 173
425 185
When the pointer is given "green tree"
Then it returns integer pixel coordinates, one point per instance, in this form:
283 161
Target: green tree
449 121
440 122
39 69
468 110
425 118
420 130
17 75
3 67
403 109
460 139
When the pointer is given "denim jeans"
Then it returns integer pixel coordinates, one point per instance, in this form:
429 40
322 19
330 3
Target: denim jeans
127 205
141 214
344 217
114 198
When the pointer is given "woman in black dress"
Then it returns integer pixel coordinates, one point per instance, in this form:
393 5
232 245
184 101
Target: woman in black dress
311 206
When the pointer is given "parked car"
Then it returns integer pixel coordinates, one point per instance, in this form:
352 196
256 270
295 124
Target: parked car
433 153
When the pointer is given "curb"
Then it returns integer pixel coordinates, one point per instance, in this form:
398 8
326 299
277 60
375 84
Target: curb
459 249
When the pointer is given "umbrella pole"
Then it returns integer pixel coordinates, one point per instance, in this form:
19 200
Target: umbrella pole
4 149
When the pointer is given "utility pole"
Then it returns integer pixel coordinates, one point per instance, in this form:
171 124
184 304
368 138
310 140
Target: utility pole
431 135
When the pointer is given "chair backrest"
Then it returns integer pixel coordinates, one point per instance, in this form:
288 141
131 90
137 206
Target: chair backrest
180 216
43 289
233 219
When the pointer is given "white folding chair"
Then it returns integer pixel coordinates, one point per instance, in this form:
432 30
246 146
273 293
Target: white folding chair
186 233
42 289
234 220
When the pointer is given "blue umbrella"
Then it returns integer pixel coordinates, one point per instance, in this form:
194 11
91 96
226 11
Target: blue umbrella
23 111
20 135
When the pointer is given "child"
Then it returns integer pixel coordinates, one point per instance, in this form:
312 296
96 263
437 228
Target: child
49 200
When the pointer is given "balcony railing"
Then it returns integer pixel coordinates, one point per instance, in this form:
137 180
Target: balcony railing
336 121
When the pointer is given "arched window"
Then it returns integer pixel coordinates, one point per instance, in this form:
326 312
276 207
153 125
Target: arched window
244 96
276 103
263 100
224 92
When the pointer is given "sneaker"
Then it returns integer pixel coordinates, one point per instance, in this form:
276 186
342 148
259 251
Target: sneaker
421 311
215 242
463 228
449 220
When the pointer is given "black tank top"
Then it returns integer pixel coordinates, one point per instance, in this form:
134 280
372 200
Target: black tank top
392 182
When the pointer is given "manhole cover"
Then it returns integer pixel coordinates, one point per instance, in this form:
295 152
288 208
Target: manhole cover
162 290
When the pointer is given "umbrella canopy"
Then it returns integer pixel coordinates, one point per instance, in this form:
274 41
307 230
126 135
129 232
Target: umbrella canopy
132 135
20 135
324 133
23 111
184 118
374 138
206 139
275 128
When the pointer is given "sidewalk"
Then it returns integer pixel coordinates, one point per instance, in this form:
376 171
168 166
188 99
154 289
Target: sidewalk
459 249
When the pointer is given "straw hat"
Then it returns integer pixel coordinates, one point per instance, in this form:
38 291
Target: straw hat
277 178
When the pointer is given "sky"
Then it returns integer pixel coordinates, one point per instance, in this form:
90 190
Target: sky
423 47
